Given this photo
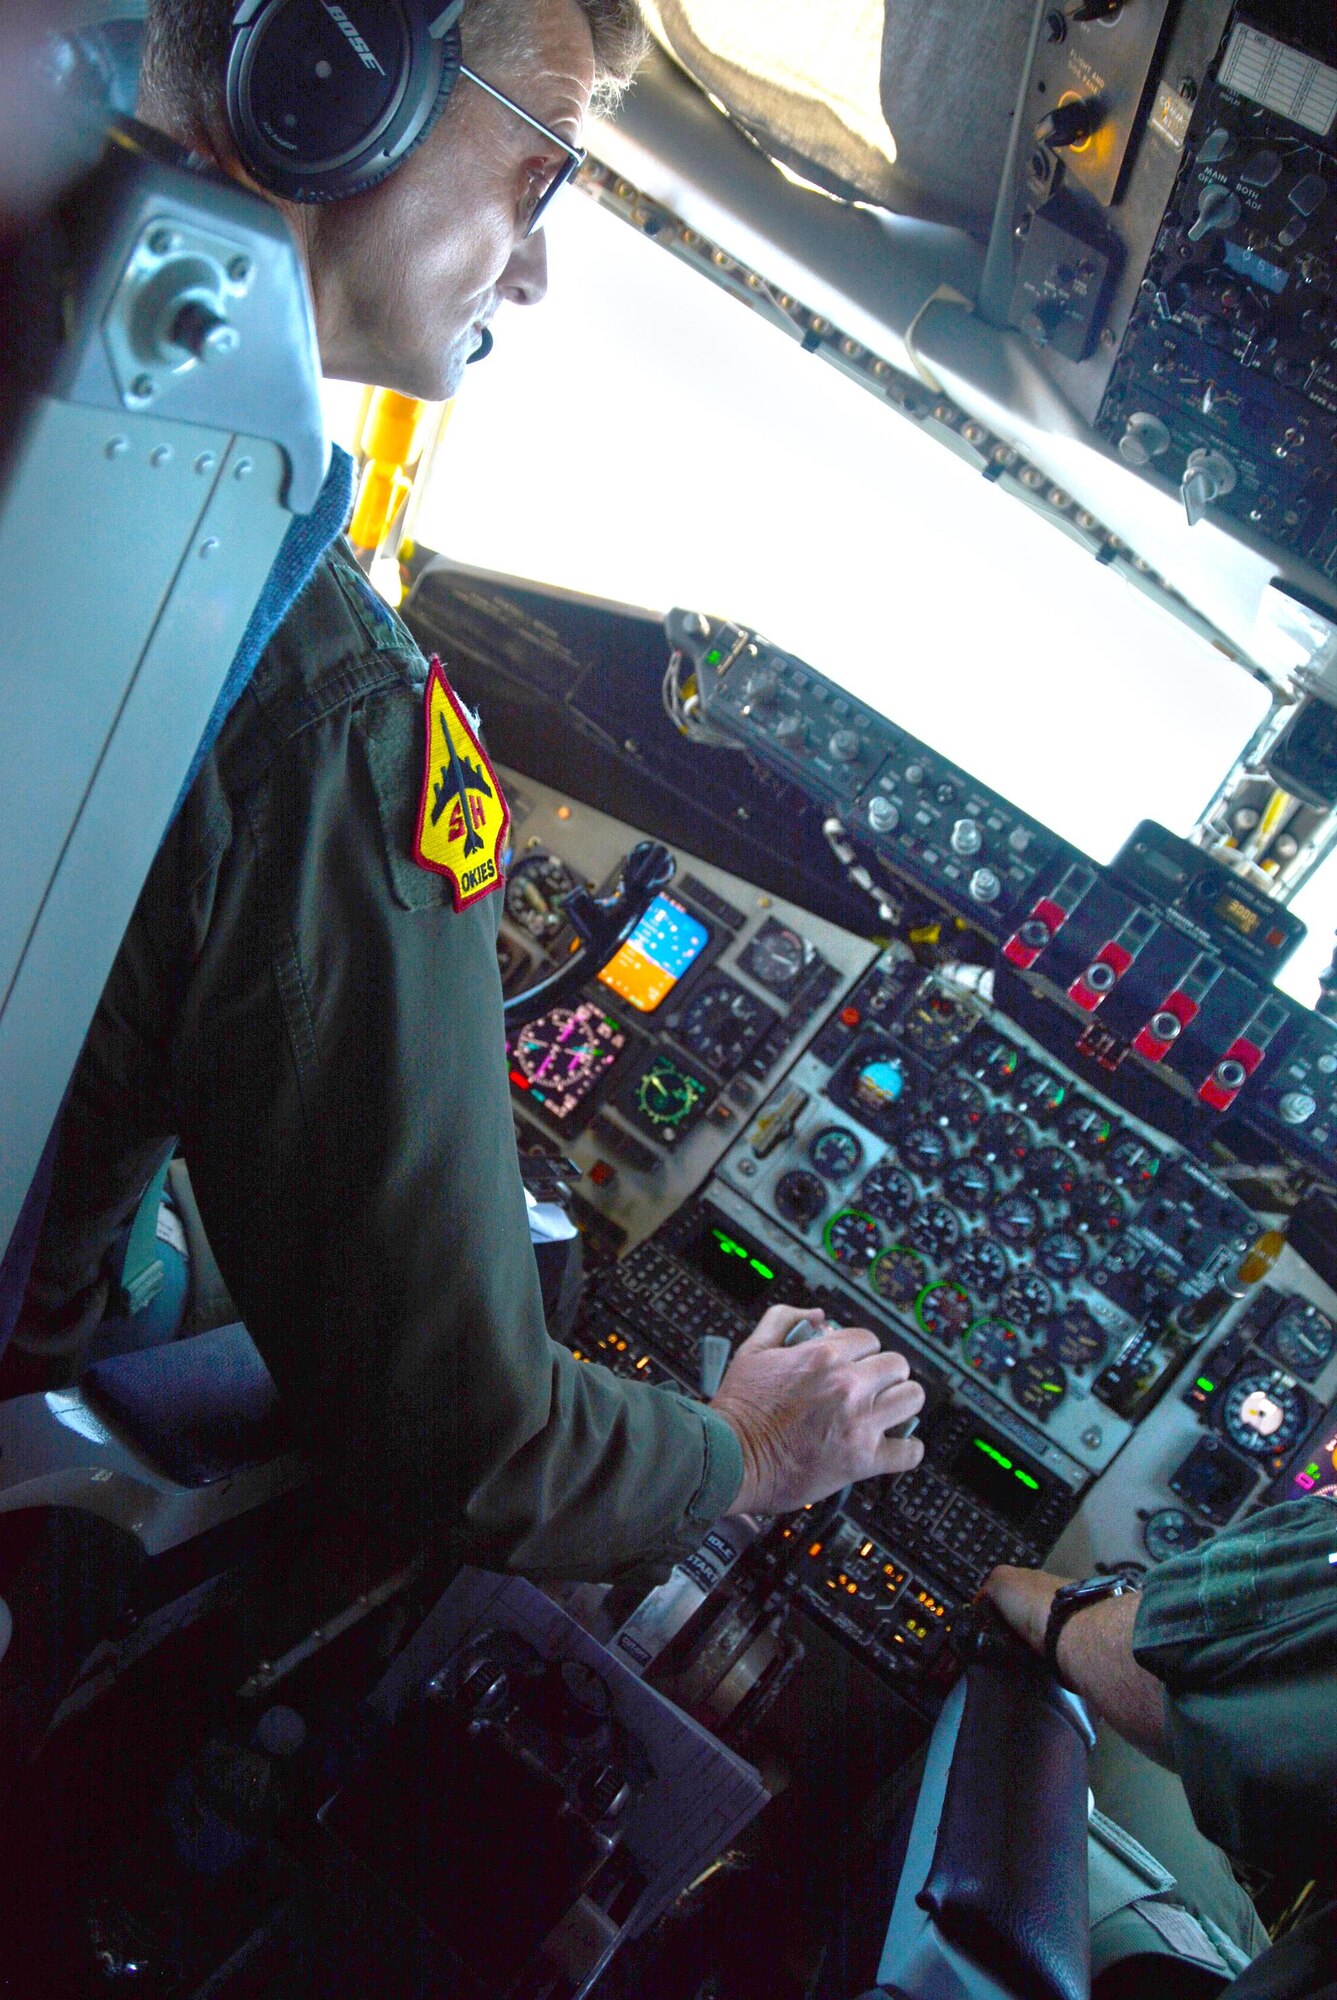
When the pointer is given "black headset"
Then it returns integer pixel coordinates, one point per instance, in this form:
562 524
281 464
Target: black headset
324 100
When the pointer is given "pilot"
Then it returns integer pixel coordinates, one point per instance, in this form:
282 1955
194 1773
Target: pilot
309 1001
1222 1669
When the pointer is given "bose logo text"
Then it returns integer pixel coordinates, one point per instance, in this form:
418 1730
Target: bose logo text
345 26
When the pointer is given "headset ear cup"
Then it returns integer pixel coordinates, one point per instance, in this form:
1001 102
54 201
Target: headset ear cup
367 181
300 156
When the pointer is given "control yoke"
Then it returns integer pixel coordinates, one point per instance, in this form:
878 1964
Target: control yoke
603 924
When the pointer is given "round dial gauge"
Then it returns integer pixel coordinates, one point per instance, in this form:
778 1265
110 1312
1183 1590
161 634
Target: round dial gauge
944 1311
1039 1094
959 1106
852 1239
666 1100
970 1184
935 1023
1097 1209
899 1275
1132 1163
888 1192
980 1263
1302 1338
1052 1173
996 1061
1076 1339
874 1089
1061 1254
799 1196
535 889
924 1148
990 1348
776 957
1015 1218
1026 1300
1005 1138
1171 1532
721 1023
835 1152
934 1229
1263 1412
1085 1126
1039 1384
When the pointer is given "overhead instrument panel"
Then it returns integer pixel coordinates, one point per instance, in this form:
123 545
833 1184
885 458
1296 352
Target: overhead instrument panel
1226 381
645 1076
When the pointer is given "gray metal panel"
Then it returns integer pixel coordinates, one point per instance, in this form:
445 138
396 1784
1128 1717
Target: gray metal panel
123 514
124 784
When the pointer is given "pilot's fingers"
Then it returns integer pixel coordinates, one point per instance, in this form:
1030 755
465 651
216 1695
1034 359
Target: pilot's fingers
898 1454
778 1323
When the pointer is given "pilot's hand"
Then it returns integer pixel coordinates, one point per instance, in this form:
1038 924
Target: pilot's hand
1022 1598
813 1416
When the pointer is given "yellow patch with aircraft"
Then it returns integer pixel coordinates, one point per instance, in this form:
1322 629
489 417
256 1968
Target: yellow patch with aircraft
463 819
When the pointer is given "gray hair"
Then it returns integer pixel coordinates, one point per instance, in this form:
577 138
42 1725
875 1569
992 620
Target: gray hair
187 43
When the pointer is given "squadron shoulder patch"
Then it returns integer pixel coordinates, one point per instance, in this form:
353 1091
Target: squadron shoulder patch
462 818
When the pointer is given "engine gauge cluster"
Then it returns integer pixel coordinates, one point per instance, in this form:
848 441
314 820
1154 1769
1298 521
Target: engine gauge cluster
994 1204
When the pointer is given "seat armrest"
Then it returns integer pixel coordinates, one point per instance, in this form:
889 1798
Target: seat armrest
1008 1882
199 1410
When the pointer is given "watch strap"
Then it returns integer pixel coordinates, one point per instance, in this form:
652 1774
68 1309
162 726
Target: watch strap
1072 1597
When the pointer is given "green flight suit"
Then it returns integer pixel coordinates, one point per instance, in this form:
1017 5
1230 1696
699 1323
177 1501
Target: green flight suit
1243 1633
299 1001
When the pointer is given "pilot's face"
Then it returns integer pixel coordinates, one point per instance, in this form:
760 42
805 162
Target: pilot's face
406 276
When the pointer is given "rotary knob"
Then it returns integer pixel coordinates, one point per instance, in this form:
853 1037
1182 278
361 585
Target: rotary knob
792 731
1145 437
761 687
1208 476
1218 208
845 746
985 886
1297 1107
966 837
1069 124
883 815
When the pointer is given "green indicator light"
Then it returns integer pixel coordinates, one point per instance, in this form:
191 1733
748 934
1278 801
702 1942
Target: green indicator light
1206 1386
714 656
728 1246
1051 1388
760 1268
996 1456
1026 1480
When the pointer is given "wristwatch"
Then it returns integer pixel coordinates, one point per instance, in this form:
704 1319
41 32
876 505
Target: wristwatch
1070 1597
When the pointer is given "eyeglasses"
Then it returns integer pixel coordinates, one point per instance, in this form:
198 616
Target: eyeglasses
575 155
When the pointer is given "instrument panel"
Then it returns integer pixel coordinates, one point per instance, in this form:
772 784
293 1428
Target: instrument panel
644 1078
947 1167
767 1108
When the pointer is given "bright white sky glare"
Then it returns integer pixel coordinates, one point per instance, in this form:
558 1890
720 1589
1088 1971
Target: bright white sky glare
643 437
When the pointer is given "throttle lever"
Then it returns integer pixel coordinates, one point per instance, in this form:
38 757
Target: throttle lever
603 924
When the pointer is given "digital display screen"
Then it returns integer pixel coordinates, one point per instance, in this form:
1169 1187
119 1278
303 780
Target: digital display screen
1238 915
559 1059
652 961
1316 1474
998 1477
743 1269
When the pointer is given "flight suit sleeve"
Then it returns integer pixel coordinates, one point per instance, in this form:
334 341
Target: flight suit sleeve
344 1107
1243 1633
